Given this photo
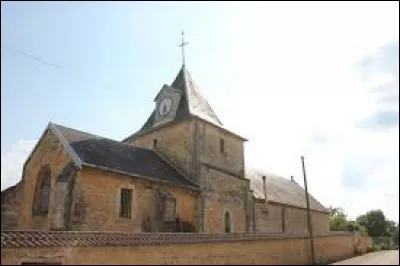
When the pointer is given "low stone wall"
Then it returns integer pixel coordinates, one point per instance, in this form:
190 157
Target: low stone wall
171 248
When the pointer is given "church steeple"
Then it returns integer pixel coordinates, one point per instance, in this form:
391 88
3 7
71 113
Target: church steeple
179 102
187 102
196 104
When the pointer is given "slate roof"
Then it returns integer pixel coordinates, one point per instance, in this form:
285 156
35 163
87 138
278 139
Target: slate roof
113 155
281 190
197 105
192 104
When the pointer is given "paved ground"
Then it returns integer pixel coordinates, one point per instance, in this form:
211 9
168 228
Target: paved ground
387 257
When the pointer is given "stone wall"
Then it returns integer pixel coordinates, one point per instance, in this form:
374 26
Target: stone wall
98 202
269 219
175 141
232 159
167 249
49 152
224 192
193 145
10 204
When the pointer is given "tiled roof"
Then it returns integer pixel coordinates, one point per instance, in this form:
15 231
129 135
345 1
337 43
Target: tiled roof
281 190
23 239
112 155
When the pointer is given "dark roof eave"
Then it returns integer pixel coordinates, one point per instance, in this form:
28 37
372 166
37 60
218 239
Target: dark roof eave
143 132
154 180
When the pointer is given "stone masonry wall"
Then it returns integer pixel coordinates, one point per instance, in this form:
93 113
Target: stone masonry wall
174 141
232 159
10 205
202 249
269 219
49 152
99 202
224 192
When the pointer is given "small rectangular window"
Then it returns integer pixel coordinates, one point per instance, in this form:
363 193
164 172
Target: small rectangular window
125 203
154 143
222 145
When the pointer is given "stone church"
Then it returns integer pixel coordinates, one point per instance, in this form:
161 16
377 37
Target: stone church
183 171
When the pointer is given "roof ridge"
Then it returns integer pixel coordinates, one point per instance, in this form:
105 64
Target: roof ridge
74 156
196 88
104 138
85 132
266 173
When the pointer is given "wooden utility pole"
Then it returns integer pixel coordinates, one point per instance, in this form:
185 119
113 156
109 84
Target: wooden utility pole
308 213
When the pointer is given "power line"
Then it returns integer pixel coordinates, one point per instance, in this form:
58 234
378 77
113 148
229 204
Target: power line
32 57
37 59
42 61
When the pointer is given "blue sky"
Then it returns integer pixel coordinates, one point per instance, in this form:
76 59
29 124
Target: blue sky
319 79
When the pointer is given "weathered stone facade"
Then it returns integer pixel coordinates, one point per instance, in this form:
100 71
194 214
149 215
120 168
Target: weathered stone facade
49 152
176 142
10 205
221 196
95 186
278 218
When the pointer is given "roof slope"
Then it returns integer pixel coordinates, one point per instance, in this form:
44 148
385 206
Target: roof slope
192 104
197 105
281 190
97 151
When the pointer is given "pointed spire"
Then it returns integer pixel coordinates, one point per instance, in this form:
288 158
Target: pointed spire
196 104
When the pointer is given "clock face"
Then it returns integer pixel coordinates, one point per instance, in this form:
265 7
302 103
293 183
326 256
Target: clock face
165 106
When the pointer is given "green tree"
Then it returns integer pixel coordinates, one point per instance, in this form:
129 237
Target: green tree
395 235
338 220
375 222
334 211
354 226
390 228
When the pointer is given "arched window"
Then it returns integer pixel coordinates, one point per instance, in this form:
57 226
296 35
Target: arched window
227 220
42 195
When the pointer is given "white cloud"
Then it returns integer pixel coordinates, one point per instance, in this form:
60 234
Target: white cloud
12 162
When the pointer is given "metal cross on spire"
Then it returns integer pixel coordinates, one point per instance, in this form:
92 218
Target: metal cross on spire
182 45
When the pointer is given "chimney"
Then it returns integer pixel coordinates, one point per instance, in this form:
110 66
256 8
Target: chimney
264 187
291 178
